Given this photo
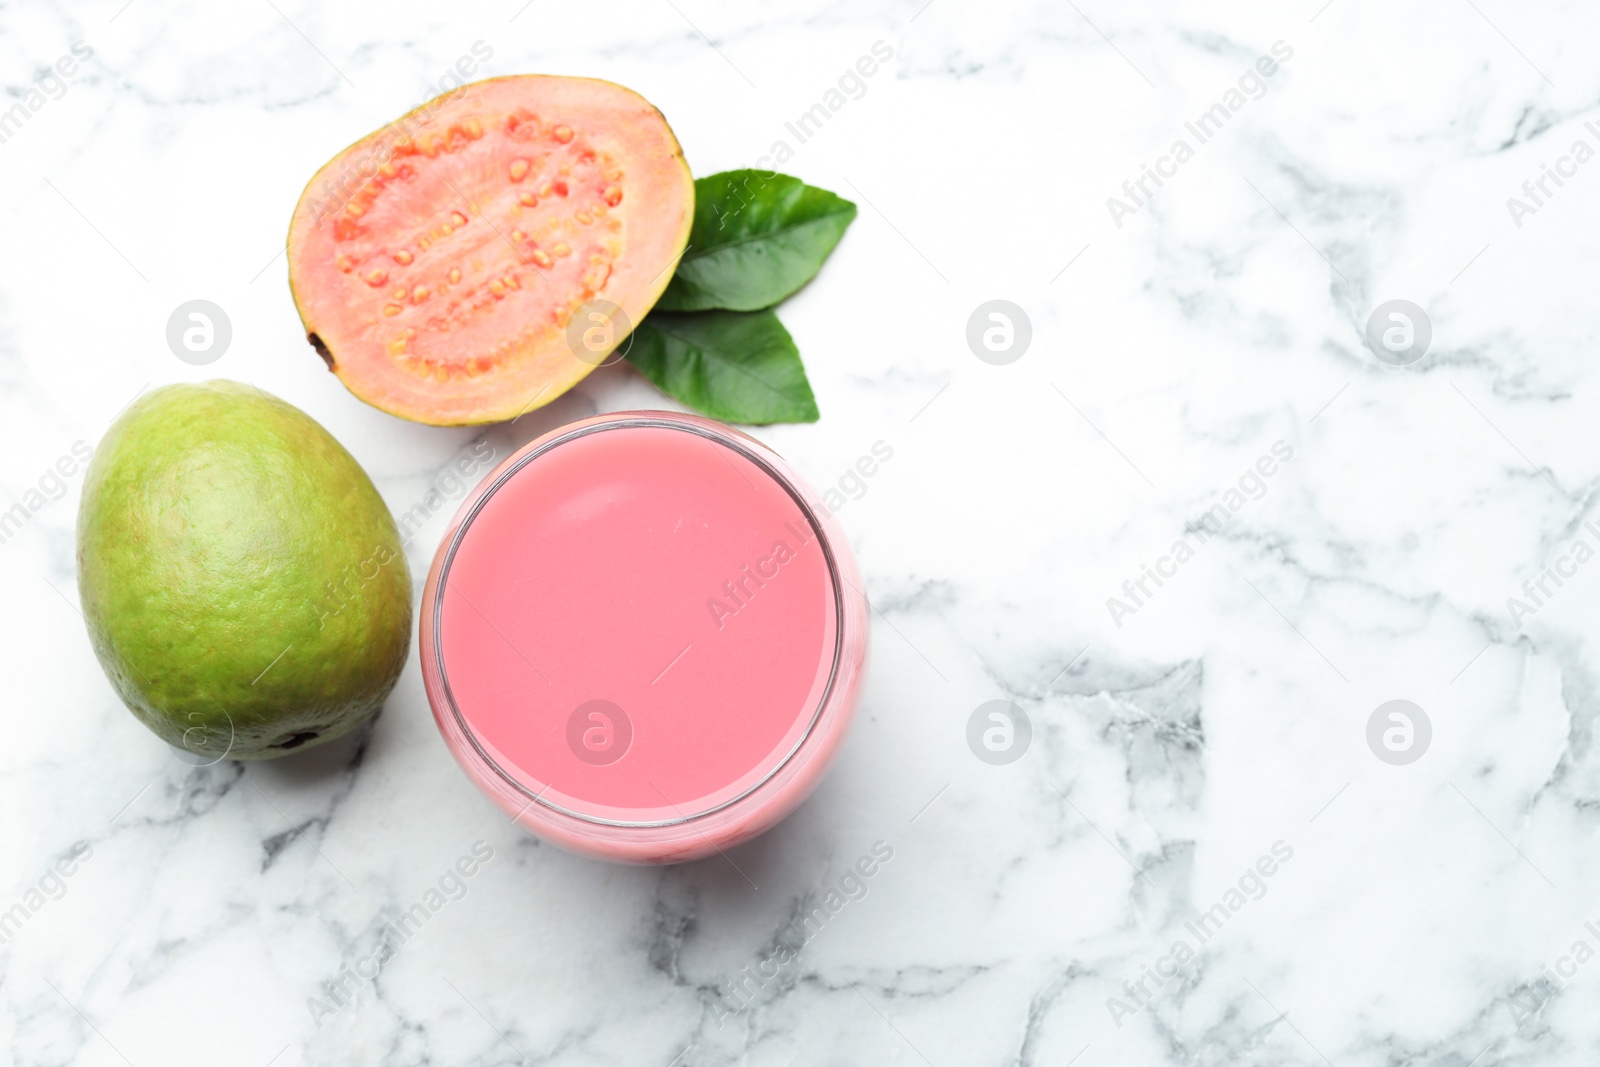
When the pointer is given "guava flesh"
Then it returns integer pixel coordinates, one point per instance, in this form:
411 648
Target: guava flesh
476 258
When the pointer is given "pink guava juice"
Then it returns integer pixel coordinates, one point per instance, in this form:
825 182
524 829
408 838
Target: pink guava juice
643 637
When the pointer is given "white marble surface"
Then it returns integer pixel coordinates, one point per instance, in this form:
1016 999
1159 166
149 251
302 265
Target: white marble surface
1422 903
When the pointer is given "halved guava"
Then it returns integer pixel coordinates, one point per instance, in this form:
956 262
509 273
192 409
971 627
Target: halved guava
476 258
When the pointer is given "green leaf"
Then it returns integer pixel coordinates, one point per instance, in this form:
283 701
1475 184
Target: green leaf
758 237
731 365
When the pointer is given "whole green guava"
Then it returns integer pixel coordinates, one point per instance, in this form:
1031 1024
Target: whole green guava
243 582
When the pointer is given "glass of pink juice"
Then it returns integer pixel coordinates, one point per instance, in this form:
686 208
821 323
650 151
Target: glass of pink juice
643 637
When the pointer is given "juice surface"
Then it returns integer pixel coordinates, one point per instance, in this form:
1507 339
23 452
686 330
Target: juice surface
639 624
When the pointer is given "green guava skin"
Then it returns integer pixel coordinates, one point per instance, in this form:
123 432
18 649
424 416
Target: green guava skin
243 582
